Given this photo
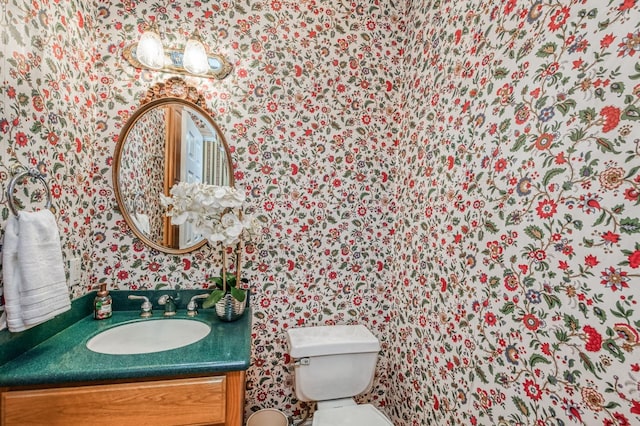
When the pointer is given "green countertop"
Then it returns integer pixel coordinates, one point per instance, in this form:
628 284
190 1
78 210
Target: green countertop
64 357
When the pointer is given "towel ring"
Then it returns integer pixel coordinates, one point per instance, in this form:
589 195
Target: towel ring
34 173
136 201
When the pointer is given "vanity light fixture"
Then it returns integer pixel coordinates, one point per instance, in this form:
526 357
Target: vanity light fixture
150 51
193 59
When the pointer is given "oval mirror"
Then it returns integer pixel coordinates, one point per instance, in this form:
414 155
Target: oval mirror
170 138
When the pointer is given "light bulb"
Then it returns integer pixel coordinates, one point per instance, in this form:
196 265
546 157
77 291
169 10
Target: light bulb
150 51
195 59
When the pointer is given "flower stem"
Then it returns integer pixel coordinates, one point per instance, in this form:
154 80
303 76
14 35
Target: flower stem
239 248
224 269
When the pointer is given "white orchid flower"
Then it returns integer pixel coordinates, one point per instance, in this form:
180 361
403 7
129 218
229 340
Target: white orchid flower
214 211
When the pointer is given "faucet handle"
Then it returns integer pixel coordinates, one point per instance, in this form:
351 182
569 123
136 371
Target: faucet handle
146 305
192 307
169 303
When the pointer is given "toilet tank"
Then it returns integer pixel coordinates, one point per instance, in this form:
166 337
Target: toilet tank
332 362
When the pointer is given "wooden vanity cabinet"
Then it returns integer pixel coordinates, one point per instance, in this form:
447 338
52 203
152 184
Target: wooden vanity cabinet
208 400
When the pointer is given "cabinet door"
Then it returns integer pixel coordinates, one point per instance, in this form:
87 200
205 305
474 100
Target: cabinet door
196 401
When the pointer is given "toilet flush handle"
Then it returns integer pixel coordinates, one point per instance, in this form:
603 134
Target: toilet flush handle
302 361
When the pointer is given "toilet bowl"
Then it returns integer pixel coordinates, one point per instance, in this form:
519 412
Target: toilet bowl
348 413
332 365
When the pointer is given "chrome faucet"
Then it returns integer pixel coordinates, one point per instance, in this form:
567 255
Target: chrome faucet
145 309
192 307
169 304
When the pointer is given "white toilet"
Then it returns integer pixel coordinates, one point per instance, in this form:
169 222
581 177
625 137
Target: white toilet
332 365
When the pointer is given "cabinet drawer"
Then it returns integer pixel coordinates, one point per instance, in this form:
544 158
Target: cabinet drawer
168 402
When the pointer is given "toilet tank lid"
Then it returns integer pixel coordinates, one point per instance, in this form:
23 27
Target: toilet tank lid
331 340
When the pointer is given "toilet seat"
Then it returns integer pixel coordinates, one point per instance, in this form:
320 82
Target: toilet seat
351 415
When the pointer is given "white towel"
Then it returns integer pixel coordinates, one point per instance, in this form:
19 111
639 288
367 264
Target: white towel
142 222
35 287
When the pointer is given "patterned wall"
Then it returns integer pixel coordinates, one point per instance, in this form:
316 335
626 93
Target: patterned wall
46 114
142 169
461 177
520 215
309 113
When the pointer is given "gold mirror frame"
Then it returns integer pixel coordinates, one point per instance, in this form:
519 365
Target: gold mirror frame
171 93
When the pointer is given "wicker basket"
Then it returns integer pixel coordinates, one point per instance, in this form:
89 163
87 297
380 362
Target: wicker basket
229 309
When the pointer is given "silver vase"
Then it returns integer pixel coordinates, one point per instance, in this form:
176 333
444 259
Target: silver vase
229 309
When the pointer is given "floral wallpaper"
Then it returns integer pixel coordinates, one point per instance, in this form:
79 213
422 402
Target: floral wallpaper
520 145
461 177
308 112
46 115
142 169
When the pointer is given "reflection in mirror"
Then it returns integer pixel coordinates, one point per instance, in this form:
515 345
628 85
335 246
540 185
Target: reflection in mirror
168 140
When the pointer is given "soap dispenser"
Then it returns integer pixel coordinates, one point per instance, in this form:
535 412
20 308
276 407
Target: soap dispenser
102 304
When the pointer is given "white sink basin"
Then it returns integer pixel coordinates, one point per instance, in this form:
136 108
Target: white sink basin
148 336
